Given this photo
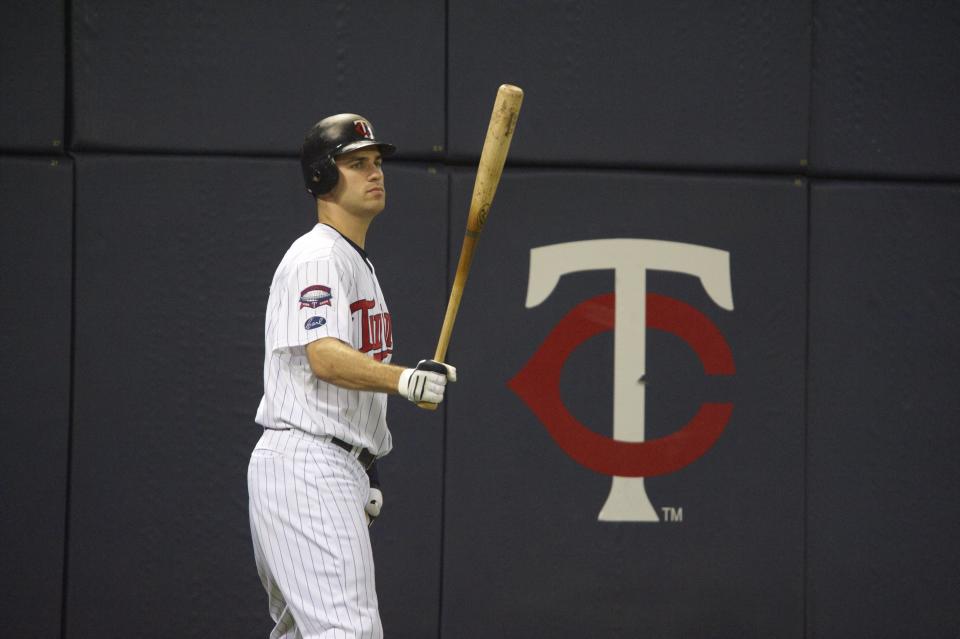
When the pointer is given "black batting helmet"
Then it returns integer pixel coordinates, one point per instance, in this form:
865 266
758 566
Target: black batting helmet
329 138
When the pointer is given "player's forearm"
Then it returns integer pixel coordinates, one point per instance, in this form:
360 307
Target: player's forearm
341 365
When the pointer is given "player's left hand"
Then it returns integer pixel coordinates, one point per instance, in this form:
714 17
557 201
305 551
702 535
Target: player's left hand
374 504
427 382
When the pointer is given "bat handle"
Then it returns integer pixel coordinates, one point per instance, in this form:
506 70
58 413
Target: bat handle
438 357
453 304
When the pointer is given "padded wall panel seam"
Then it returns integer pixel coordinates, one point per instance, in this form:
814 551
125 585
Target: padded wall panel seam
36 194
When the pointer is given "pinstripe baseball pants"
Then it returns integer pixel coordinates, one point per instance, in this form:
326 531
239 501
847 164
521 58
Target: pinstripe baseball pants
310 538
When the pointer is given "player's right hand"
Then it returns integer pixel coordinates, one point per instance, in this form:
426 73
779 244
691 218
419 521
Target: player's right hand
426 382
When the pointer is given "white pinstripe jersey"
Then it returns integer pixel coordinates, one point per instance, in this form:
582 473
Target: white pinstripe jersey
324 287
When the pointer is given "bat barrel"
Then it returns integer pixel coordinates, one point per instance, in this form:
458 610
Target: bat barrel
503 122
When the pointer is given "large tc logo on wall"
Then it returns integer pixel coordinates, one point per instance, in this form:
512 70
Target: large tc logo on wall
628 457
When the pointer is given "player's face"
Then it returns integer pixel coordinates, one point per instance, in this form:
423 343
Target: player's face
360 188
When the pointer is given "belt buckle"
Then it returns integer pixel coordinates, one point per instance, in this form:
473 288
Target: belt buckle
370 458
365 457
357 452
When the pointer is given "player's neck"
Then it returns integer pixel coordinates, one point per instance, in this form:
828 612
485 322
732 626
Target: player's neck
351 226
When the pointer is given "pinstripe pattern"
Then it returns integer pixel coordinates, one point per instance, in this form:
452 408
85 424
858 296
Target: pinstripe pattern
307 496
293 396
310 538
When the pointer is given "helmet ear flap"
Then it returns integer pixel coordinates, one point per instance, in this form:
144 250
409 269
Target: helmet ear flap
324 176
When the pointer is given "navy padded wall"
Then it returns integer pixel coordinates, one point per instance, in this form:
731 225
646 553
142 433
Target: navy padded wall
36 196
522 539
249 78
642 83
408 246
884 481
885 80
32 76
173 270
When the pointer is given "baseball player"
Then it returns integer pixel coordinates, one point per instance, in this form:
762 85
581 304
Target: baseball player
326 376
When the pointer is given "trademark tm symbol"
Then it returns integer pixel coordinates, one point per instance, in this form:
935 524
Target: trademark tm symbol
672 514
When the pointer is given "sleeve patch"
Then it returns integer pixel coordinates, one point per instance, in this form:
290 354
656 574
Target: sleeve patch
314 322
315 296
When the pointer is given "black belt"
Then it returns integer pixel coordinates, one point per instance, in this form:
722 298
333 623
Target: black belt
366 458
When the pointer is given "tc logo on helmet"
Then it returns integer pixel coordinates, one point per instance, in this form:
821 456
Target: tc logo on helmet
627 457
363 128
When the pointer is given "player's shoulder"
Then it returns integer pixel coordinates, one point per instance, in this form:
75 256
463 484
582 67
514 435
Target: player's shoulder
318 245
322 245
338 247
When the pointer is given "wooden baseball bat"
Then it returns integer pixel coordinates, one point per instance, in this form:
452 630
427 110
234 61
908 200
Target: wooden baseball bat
503 121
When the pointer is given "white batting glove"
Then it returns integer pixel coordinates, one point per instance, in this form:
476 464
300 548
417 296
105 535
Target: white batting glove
374 504
426 382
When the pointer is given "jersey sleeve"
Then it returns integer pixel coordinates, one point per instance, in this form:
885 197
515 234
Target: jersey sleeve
314 303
